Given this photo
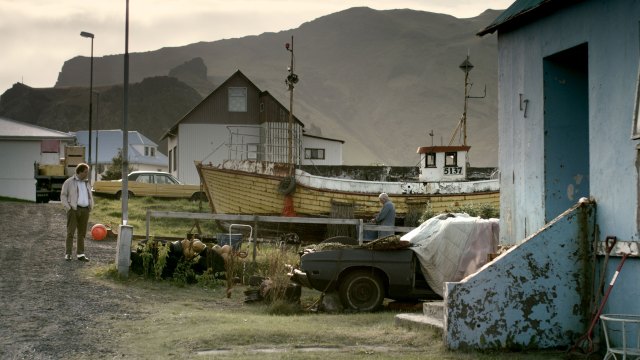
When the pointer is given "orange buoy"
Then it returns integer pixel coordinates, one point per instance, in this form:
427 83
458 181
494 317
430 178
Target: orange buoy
98 231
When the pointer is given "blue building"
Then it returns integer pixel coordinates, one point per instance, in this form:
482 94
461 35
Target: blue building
570 161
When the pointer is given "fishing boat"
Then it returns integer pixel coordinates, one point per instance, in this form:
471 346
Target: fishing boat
254 187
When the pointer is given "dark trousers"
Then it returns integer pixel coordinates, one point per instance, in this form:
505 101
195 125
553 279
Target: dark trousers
76 221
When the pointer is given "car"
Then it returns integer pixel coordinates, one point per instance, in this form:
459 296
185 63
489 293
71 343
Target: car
150 183
363 278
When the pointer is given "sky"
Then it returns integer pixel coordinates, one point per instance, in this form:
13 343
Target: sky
38 36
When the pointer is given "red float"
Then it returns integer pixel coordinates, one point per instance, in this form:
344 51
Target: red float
98 231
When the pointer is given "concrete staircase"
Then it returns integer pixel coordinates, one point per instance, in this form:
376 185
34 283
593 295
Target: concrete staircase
432 317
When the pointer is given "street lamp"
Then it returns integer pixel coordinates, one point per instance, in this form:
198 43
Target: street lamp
95 178
90 35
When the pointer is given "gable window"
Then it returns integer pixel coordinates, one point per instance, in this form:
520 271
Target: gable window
170 159
237 99
146 151
430 160
314 154
152 152
451 159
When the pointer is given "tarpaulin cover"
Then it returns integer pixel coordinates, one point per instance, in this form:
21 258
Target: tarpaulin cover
453 246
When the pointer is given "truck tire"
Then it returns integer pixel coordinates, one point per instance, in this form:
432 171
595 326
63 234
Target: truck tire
362 290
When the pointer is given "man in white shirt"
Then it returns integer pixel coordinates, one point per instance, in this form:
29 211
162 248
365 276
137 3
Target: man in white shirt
77 200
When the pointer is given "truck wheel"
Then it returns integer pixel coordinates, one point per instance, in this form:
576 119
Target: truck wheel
362 290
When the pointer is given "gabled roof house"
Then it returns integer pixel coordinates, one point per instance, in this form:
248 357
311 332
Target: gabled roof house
241 122
143 153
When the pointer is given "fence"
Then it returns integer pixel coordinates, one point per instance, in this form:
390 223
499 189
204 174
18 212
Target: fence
360 225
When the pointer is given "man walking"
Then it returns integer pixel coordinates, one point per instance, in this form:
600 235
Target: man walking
77 200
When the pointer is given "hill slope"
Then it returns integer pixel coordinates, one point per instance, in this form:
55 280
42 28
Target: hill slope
380 80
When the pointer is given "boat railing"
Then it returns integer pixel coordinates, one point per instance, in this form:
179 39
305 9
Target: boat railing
360 224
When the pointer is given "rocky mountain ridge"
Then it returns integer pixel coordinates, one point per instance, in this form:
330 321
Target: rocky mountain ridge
383 81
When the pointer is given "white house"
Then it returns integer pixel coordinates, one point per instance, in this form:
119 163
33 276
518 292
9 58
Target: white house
24 145
105 144
318 150
240 121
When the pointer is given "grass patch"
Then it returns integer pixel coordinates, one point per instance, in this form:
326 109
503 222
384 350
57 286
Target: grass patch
108 211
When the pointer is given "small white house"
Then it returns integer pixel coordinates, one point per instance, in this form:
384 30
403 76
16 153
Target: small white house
105 144
24 145
317 150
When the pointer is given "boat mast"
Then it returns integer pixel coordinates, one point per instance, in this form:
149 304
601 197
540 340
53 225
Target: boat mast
466 66
291 80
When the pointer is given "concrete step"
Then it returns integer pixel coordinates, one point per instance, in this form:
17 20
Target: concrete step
432 317
434 309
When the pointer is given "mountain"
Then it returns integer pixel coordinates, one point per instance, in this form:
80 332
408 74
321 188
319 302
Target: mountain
380 80
154 105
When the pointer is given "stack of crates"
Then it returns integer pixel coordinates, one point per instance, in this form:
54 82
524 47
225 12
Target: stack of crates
73 155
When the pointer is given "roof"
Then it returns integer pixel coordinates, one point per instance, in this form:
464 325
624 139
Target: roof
441 149
172 129
323 138
110 141
522 12
16 130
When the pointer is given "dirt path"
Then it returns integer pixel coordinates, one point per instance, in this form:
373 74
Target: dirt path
48 305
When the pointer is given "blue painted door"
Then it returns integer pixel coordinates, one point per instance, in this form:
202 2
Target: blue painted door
566 129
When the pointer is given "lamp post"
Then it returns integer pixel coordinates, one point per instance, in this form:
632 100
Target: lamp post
90 35
95 177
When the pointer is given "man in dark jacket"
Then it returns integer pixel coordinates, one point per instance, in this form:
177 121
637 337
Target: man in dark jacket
386 216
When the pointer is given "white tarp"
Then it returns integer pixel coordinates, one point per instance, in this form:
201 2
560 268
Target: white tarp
453 246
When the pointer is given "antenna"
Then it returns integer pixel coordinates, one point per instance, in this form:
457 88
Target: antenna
466 66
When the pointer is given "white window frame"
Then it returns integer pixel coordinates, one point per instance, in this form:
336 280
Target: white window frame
237 99
314 153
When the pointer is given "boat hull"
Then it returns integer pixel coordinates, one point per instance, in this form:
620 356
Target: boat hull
239 191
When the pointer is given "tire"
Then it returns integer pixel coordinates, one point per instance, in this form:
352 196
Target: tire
287 185
362 290
198 196
119 195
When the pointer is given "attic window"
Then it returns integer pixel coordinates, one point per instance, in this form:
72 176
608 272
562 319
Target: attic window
237 99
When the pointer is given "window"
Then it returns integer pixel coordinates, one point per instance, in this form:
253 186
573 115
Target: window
175 158
153 152
430 160
146 151
451 159
316 154
144 178
252 151
170 159
237 99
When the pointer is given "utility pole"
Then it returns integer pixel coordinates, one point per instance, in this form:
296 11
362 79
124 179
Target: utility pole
291 80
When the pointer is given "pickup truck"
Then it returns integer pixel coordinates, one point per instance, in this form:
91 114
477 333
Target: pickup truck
364 277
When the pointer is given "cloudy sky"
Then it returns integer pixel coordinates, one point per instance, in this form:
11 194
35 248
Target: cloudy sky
37 36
